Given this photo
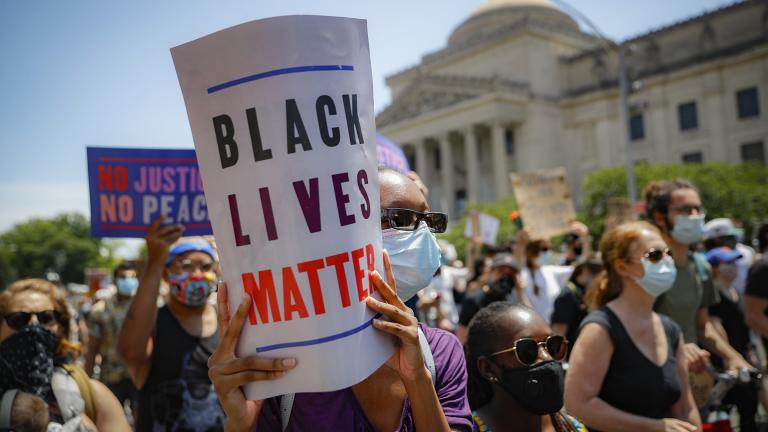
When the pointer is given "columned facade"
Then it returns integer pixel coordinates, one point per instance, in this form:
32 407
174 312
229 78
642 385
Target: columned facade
519 87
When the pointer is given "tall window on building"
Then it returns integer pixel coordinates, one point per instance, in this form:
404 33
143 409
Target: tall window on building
695 157
437 159
747 103
509 140
687 116
753 152
636 127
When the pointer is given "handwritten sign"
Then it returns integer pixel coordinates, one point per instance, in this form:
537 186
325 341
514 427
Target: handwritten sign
619 210
130 188
545 202
281 112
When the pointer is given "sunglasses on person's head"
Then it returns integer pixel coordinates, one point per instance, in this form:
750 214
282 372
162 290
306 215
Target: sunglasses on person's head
527 349
17 320
409 220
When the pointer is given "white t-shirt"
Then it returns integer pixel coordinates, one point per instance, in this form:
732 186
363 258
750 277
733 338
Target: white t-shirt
742 266
550 279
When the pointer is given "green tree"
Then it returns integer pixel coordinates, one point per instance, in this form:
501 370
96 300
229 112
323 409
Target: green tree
62 244
499 209
739 192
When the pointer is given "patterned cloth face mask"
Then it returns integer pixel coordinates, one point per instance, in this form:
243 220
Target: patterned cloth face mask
192 289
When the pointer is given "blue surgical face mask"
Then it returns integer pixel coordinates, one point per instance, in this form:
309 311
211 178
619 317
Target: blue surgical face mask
415 257
127 286
688 229
658 277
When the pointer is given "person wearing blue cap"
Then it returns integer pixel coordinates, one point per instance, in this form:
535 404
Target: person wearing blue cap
167 348
728 317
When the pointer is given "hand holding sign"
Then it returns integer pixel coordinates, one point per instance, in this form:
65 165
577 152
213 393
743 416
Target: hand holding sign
228 372
407 360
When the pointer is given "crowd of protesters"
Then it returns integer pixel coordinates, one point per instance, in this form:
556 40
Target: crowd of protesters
520 339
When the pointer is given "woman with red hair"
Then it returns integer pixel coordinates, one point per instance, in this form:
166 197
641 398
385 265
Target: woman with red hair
627 370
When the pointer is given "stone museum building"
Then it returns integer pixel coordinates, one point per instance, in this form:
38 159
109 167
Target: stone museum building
519 86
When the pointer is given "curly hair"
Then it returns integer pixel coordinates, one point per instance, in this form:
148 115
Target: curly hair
64 316
658 195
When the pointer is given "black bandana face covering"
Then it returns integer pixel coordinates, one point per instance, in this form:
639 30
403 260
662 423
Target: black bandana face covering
26 360
537 388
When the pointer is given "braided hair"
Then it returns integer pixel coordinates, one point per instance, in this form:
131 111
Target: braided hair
482 335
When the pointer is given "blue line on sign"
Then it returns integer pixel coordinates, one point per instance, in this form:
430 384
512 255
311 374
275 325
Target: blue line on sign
285 71
319 341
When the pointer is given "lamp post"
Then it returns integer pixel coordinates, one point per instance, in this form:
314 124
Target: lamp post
610 45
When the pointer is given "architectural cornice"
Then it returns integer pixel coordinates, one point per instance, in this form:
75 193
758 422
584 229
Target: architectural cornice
428 93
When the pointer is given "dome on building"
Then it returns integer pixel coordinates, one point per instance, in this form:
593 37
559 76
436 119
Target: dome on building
490 5
493 15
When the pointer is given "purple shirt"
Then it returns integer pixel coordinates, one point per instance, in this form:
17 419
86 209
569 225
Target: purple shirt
340 411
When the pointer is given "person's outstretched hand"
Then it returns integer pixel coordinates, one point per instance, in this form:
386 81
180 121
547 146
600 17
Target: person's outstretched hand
228 372
160 239
408 360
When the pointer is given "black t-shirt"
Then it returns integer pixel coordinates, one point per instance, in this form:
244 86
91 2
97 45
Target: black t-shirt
633 383
570 310
475 301
178 395
732 317
757 279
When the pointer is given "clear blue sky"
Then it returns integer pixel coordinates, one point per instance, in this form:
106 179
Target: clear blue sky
99 73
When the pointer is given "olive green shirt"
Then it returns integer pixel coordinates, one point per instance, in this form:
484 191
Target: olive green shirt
692 291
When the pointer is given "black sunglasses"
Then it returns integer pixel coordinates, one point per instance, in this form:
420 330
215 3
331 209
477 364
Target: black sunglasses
655 255
408 220
527 350
17 320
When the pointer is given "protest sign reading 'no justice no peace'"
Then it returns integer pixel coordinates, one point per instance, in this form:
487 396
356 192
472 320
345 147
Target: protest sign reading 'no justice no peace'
281 112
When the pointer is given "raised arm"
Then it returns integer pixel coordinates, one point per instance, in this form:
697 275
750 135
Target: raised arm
135 341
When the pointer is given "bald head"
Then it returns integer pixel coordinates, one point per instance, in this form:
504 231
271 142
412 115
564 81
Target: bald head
399 191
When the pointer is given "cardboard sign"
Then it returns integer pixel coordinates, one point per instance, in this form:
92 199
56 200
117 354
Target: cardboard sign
130 188
619 210
281 112
487 227
545 202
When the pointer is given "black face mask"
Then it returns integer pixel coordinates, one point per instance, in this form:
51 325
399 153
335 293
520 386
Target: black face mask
538 388
26 360
503 286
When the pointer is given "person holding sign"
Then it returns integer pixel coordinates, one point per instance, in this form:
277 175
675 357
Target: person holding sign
402 394
543 281
166 349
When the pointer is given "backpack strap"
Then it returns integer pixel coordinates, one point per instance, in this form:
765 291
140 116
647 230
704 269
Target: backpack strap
6 405
286 406
426 352
286 400
84 385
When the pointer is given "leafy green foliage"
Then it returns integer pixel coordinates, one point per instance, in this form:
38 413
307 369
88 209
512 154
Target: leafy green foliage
62 244
739 192
499 209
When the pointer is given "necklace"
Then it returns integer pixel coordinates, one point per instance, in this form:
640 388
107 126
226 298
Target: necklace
481 426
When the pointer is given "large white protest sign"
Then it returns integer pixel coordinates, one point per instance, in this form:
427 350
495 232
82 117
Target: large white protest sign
281 112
